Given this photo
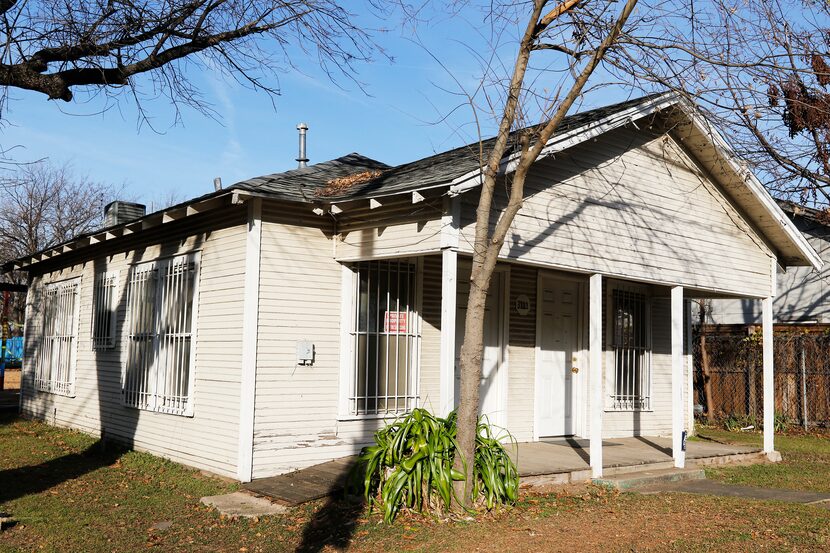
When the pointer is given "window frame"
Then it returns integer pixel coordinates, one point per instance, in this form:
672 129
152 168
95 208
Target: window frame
105 343
611 397
159 265
349 316
51 386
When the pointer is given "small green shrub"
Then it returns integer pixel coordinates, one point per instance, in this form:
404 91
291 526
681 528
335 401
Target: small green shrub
736 423
781 422
410 465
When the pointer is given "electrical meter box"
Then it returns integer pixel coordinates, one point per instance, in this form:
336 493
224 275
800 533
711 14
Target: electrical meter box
305 352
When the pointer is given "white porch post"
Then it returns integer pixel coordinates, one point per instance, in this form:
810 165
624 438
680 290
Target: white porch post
769 382
595 380
449 277
450 222
677 381
690 369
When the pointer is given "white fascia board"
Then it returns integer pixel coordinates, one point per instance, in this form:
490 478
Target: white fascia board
563 141
150 221
755 187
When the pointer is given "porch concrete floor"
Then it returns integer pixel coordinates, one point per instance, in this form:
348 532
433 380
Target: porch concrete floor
559 456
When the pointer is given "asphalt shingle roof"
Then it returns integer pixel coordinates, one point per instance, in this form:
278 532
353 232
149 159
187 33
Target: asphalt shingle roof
301 185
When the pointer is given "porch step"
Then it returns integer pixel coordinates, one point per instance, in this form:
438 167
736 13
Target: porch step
642 479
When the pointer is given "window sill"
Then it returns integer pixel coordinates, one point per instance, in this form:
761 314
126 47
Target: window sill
187 414
70 395
353 418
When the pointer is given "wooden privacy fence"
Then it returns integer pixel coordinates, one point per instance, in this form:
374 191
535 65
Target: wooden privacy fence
728 374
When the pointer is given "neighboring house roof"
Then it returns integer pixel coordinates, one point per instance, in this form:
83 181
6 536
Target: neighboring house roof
459 170
819 218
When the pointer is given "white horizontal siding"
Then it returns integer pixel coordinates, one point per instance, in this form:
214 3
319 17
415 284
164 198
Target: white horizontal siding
398 228
521 355
208 439
430 386
633 206
296 409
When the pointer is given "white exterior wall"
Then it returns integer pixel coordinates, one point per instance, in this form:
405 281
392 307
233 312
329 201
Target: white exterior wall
208 439
633 206
398 228
656 421
521 355
297 422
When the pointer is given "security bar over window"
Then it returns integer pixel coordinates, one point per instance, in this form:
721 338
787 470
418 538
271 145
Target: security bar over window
631 350
103 310
56 362
158 375
385 339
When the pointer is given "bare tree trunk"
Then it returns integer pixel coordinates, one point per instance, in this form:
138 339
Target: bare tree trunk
707 379
488 244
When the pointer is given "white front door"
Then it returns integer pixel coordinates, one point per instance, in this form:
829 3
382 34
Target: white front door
491 390
557 357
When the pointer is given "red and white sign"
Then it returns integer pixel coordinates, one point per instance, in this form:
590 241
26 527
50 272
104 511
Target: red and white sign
395 322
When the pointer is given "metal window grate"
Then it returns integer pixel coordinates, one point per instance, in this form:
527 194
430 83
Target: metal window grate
385 339
161 302
55 371
631 350
103 311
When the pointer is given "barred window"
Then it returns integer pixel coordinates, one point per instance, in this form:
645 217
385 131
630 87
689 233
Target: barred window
104 310
56 362
385 339
158 375
631 350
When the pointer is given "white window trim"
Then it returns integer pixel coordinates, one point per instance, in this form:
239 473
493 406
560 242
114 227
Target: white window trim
159 264
43 386
610 367
347 351
105 343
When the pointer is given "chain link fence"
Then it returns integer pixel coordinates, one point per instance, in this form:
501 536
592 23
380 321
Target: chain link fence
728 377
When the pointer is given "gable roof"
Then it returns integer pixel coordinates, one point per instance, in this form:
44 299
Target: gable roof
459 170
441 169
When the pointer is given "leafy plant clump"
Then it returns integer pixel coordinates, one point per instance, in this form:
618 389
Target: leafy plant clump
410 465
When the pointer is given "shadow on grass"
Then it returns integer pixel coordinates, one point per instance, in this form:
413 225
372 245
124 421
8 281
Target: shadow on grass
22 481
334 524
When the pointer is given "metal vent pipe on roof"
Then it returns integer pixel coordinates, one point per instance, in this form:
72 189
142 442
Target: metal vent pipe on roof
217 184
302 160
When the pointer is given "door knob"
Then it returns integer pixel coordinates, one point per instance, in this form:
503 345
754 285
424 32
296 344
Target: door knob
574 370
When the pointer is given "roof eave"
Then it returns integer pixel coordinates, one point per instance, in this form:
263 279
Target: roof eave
152 220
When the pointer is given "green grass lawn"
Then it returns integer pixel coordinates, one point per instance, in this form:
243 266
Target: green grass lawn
805 465
68 496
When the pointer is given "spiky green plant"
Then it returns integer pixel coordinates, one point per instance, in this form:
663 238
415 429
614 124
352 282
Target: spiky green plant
410 465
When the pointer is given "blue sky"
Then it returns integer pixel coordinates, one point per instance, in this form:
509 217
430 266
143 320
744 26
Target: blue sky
395 122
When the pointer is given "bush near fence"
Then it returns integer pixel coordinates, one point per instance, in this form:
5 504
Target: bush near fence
728 377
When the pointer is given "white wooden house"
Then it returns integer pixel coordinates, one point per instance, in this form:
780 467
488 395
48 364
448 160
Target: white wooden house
278 323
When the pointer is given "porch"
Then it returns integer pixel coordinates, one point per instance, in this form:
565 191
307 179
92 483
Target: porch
546 462
565 460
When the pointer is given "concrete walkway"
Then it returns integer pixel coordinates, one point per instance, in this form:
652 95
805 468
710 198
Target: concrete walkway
711 487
